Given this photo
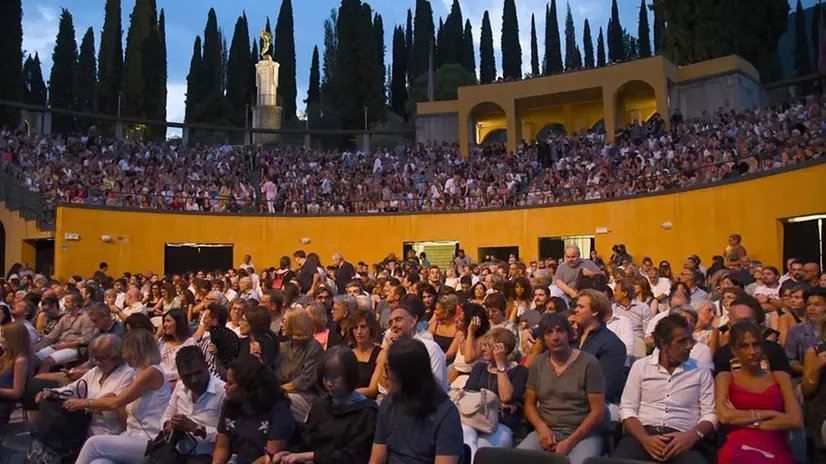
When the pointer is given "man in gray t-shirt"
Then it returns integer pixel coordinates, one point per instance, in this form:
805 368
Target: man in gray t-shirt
567 272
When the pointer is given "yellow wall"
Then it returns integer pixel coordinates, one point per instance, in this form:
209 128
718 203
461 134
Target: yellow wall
702 220
18 230
637 107
574 117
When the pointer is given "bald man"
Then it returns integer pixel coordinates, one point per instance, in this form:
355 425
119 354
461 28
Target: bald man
132 304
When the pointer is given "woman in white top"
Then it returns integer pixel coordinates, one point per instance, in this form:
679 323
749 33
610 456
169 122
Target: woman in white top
145 401
173 334
236 313
111 376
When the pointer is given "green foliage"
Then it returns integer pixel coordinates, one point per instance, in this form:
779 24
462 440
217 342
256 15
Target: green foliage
487 60
86 77
284 54
572 61
553 45
600 49
534 48
616 39
34 92
398 84
469 53
110 59
142 22
446 80
643 32
194 82
211 69
511 47
314 90
238 68
588 43
11 66
816 18
802 59
62 77
378 38
423 37
659 27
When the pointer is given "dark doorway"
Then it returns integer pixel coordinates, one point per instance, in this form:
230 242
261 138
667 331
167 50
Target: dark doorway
803 240
44 256
499 253
554 247
183 257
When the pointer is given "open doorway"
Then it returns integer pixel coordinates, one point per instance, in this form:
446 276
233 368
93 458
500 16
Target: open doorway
502 253
183 257
803 238
554 247
438 253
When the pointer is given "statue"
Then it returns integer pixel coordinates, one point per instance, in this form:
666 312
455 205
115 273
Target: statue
266 39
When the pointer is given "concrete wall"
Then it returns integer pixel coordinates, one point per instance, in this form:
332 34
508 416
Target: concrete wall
437 128
730 91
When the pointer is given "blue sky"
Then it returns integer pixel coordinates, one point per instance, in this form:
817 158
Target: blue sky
185 19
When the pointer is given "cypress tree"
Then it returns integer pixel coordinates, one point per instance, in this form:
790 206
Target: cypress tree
469 54
141 23
284 54
487 60
110 59
570 42
659 27
398 85
457 32
440 47
314 90
86 77
802 59
154 106
372 76
588 43
194 82
547 45
616 40
378 38
211 60
238 65
224 60
534 48
34 91
252 95
816 37
511 48
553 45
330 54
11 64
408 46
163 75
346 75
643 32
62 77
423 37
600 49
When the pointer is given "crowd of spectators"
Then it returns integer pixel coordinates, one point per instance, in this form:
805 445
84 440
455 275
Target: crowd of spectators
407 362
425 177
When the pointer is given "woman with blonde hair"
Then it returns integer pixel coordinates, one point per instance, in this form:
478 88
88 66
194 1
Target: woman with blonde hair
299 359
321 329
16 367
145 401
443 324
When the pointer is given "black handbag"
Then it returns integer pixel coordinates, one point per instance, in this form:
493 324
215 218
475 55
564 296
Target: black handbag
62 431
176 447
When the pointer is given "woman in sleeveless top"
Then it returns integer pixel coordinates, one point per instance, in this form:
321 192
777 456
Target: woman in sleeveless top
473 324
174 335
363 332
144 400
16 367
757 405
793 311
443 324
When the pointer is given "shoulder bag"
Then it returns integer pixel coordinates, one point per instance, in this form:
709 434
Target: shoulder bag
62 431
477 409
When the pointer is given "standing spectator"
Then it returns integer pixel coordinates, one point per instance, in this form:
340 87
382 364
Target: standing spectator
345 272
570 269
462 260
734 250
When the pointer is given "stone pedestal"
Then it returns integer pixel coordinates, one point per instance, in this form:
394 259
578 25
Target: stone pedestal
266 114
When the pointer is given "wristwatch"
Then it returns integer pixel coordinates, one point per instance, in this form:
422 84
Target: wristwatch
700 434
501 368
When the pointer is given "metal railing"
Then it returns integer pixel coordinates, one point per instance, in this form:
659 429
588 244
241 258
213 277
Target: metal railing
30 204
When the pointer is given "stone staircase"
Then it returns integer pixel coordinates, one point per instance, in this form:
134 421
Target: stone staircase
27 203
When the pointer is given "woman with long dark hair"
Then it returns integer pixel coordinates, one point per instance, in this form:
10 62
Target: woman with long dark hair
174 334
340 426
256 423
417 422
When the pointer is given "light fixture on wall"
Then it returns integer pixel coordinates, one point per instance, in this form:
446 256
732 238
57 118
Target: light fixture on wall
71 237
305 240
106 238
666 225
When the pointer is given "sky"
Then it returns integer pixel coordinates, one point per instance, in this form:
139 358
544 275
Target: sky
186 19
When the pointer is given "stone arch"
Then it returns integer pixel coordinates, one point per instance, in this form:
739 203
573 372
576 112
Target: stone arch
551 128
635 100
486 119
496 136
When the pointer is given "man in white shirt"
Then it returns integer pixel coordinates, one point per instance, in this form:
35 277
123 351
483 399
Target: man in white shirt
132 304
667 406
637 312
700 352
768 294
403 324
623 329
195 406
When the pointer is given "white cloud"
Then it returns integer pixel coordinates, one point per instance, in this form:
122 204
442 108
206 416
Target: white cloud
39 32
175 105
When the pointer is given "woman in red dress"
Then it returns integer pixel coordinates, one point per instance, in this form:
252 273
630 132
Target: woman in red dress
756 405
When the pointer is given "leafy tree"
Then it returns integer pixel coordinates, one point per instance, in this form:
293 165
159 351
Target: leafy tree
62 78
194 82
643 32
284 54
110 59
423 37
600 49
313 100
11 66
571 61
470 53
446 81
588 43
511 47
487 60
534 49
86 77
398 85
34 92
802 59
238 66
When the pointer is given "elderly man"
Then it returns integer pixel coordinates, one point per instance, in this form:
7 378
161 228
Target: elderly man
345 272
247 292
568 271
132 304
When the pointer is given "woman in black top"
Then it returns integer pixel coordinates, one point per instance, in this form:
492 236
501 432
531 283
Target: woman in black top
340 426
363 334
256 421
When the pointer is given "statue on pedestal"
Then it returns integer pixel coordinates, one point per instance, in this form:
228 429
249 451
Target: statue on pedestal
266 40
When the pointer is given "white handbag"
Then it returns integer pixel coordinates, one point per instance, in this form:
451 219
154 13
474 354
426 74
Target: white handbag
478 410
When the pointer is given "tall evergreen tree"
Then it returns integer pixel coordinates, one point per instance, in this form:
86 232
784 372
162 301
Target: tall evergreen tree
659 27
616 46
802 59
62 78
34 92
456 30
141 24
224 60
86 77
255 56
534 48
408 46
588 44
163 74
553 43
194 82
378 38
284 54
571 61
487 60
211 67
238 65
398 85
110 59
330 55
11 64
152 61
423 38
372 75
511 48
816 13
357 82
469 53
314 90
643 32
600 49
440 47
